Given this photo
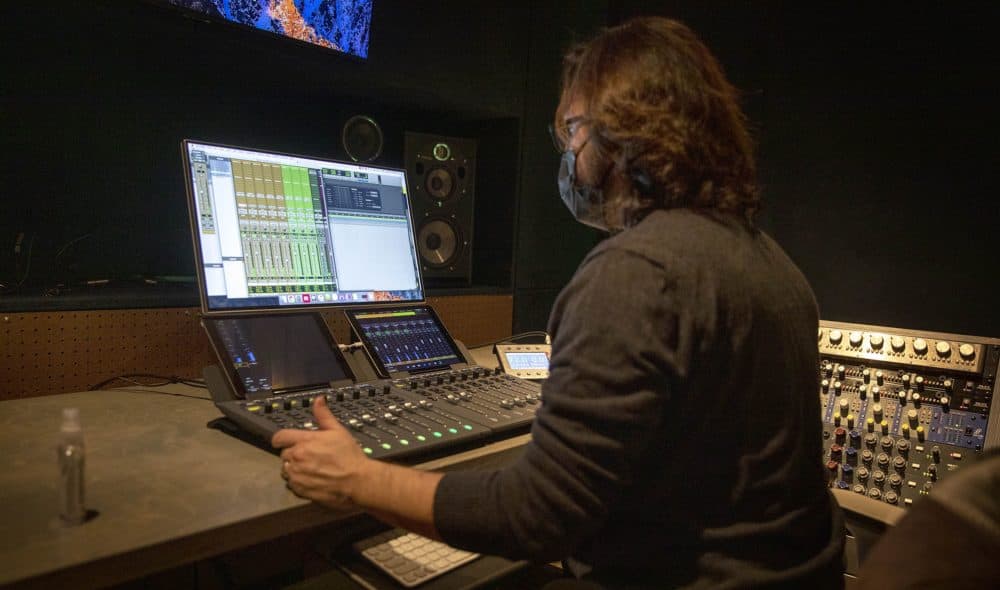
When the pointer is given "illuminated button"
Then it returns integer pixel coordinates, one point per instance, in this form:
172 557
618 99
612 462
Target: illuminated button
920 346
386 446
421 437
404 442
367 450
835 337
897 344
467 426
876 341
943 349
437 434
355 424
967 351
255 409
956 456
855 339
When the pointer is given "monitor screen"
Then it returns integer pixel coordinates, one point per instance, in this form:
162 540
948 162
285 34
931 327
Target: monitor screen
281 232
273 354
527 361
343 25
408 339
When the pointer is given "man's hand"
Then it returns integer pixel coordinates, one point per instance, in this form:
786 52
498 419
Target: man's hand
322 465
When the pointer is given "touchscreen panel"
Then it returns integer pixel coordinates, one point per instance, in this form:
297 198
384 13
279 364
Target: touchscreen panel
409 339
525 361
272 354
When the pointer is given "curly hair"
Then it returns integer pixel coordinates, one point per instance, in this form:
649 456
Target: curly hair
665 117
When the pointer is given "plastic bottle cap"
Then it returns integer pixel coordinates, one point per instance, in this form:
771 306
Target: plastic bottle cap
71 420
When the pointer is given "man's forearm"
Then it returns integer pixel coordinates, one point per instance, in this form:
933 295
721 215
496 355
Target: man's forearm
400 496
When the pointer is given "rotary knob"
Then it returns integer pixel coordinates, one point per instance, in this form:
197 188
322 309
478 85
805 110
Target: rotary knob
967 351
841 370
845 407
862 391
876 341
895 480
855 339
871 440
835 337
875 493
943 349
824 385
932 472
920 346
858 488
840 434
878 477
879 377
867 457
837 387
903 447
912 417
866 375
862 473
897 343
877 410
828 368
876 392
891 497
919 382
883 460
886 443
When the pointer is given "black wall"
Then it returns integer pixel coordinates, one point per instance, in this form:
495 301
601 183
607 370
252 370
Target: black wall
875 136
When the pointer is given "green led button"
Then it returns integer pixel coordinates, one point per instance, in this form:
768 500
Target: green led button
467 427
404 442
386 446
453 431
421 437
437 434
367 450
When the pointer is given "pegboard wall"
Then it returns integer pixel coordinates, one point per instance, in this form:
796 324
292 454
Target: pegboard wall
44 353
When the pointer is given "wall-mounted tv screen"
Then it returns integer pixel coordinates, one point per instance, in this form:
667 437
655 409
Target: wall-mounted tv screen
341 25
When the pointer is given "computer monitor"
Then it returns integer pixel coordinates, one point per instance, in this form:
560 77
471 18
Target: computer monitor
280 232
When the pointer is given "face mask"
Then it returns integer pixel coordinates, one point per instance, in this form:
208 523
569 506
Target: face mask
585 203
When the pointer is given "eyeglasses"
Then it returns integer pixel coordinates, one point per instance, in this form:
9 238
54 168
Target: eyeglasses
567 130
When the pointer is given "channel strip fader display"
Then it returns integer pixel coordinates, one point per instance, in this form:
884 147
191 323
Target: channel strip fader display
902 409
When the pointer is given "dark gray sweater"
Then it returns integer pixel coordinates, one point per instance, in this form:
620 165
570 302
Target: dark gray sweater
679 439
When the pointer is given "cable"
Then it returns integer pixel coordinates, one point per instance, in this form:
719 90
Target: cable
128 378
127 390
517 337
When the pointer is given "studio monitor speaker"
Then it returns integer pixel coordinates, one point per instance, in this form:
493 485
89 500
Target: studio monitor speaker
442 178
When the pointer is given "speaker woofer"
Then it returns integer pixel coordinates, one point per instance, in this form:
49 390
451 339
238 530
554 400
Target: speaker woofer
439 243
362 138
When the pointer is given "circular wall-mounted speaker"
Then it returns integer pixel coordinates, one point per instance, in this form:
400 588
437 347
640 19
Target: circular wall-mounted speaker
362 138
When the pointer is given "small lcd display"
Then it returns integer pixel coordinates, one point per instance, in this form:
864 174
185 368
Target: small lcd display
528 361
409 339
270 354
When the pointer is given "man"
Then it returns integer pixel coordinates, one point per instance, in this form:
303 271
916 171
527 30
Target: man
679 440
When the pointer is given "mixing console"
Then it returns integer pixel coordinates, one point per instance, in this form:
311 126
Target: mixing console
902 409
406 417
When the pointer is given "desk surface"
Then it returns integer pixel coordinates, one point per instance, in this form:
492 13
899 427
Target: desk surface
168 489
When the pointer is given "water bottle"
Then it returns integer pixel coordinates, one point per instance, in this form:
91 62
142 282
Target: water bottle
71 461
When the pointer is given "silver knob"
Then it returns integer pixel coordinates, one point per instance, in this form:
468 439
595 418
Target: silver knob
897 343
967 351
876 341
943 349
836 336
920 346
855 339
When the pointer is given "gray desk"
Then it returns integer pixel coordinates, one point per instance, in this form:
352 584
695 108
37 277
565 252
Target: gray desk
168 490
